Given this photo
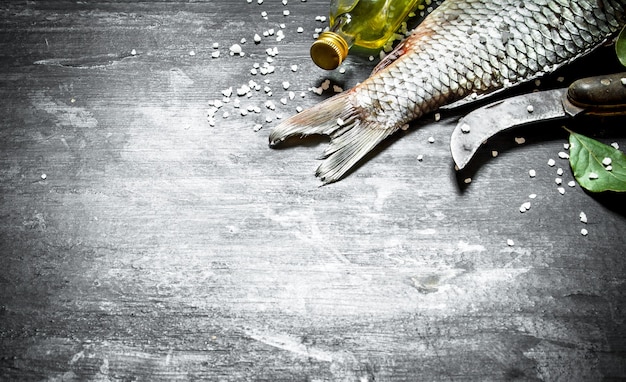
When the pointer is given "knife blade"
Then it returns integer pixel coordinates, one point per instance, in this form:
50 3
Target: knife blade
599 95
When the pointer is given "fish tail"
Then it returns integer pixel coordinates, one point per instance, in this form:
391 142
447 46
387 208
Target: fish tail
351 136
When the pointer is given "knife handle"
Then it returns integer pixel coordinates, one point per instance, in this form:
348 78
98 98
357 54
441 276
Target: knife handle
604 94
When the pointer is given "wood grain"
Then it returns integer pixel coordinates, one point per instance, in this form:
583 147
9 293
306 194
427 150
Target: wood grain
159 247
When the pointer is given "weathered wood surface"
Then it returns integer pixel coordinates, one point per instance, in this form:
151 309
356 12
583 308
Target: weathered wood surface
162 248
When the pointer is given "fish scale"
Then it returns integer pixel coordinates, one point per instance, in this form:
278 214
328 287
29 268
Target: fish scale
462 49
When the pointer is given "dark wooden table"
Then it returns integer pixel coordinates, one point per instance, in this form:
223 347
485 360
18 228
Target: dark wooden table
141 240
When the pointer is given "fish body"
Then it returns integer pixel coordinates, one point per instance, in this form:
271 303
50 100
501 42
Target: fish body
462 49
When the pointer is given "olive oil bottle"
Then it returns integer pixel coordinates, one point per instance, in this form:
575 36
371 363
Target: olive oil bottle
365 23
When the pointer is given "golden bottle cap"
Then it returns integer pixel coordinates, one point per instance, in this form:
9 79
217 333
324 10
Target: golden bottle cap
329 50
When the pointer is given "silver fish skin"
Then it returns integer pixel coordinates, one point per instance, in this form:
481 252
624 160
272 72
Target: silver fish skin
464 47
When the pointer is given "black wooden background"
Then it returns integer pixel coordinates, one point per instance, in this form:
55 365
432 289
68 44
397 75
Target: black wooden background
142 240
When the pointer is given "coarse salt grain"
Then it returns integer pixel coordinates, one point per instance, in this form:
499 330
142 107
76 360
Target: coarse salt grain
532 173
583 217
593 176
510 242
520 140
563 155
551 162
584 232
607 161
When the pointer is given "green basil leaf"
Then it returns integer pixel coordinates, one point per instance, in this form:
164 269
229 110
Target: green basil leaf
592 169
620 46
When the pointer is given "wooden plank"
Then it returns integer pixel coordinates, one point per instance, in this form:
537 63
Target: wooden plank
159 247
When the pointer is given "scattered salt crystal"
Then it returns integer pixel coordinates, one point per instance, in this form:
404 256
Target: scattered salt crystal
532 173
264 14
560 79
292 95
510 242
566 146
551 162
257 38
607 161
216 45
259 1
243 90
215 54
44 176
467 180
300 30
593 176
294 68
133 52
253 71
420 157
615 145
465 128
571 183
559 171
269 119
584 232
284 2
609 168
494 153
227 92
431 139
283 101
404 127
337 89
235 49
257 127
437 117
285 85
623 80
558 181
561 190
299 109
524 207
342 70
583 217
340 122
532 196
371 58
286 12
326 84
520 140
530 108
563 155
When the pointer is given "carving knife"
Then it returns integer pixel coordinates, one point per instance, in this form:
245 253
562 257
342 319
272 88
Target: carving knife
600 95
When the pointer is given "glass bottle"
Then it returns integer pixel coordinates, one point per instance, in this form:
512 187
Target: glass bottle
365 23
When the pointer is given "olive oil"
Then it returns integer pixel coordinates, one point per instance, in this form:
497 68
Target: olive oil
365 23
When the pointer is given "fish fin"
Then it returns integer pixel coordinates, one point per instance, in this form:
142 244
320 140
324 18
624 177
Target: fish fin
389 59
351 138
